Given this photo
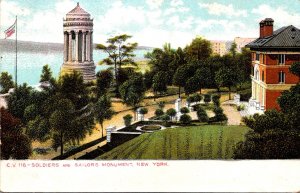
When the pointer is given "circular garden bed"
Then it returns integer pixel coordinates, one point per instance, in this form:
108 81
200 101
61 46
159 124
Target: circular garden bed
151 128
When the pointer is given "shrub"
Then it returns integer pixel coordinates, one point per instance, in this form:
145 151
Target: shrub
197 97
127 119
184 110
218 110
185 119
207 98
165 117
240 107
190 100
216 99
143 111
171 112
202 116
161 104
245 95
159 112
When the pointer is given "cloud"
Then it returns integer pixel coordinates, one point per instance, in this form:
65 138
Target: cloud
154 4
177 3
156 37
281 16
220 9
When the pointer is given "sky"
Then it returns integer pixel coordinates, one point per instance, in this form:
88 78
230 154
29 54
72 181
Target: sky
150 22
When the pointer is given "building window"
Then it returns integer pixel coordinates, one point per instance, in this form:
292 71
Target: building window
263 76
281 77
257 57
281 59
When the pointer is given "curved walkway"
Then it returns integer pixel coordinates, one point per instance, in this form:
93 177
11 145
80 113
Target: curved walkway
234 117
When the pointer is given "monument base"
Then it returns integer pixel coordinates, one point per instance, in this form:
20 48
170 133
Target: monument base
87 69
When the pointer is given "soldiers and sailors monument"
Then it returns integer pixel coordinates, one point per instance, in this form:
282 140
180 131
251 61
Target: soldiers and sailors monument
78 44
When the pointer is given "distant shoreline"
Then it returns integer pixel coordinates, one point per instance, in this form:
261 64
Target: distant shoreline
41 47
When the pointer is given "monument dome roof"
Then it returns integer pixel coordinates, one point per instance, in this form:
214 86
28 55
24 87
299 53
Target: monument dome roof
78 11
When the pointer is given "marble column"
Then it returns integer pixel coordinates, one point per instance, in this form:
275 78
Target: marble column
91 43
76 46
70 47
83 46
88 47
65 47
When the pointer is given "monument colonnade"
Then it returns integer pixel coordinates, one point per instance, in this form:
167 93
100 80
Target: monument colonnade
78 46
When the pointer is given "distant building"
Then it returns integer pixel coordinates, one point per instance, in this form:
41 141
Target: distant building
272 55
218 47
78 44
242 42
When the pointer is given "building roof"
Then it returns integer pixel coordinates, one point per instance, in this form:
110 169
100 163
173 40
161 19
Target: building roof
285 37
78 11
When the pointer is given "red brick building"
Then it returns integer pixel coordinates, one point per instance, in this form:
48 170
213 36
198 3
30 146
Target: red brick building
272 54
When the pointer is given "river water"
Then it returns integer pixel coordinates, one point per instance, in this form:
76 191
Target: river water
30 64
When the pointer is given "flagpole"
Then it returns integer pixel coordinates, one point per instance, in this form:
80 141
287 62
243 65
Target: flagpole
16 76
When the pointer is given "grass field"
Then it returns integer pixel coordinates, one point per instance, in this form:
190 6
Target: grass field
198 142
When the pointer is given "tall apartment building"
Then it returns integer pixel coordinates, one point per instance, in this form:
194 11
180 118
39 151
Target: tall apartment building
242 42
218 47
272 55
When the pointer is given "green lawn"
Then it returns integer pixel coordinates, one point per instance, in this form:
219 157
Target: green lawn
198 142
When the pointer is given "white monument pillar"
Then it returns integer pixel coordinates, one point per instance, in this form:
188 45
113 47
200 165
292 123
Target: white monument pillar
65 47
70 47
76 46
83 46
177 108
79 54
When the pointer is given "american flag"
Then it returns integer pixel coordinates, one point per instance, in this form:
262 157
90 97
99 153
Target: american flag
10 31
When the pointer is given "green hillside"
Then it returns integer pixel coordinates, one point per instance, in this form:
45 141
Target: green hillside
198 142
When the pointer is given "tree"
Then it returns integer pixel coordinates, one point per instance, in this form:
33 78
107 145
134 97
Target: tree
207 98
190 99
158 112
143 111
14 143
6 82
203 77
72 87
295 69
226 77
132 92
61 122
148 79
103 110
191 85
216 99
46 74
289 103
127 119
181 75
19 100
202 115
161 104
184 110
119 53
199 50
197 97
185 119
160 83
233 49
104 81
171 112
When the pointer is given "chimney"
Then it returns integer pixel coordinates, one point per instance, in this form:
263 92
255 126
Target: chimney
266 27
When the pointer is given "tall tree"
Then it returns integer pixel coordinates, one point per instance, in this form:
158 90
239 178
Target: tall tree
204 77
46 74
226 77
233 49
295 69
160 83
103 110
181 75
6 82
199 50
104 81
132 92
14 143
119 53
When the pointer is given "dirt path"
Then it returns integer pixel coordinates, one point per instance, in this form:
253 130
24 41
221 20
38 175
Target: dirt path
234 117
